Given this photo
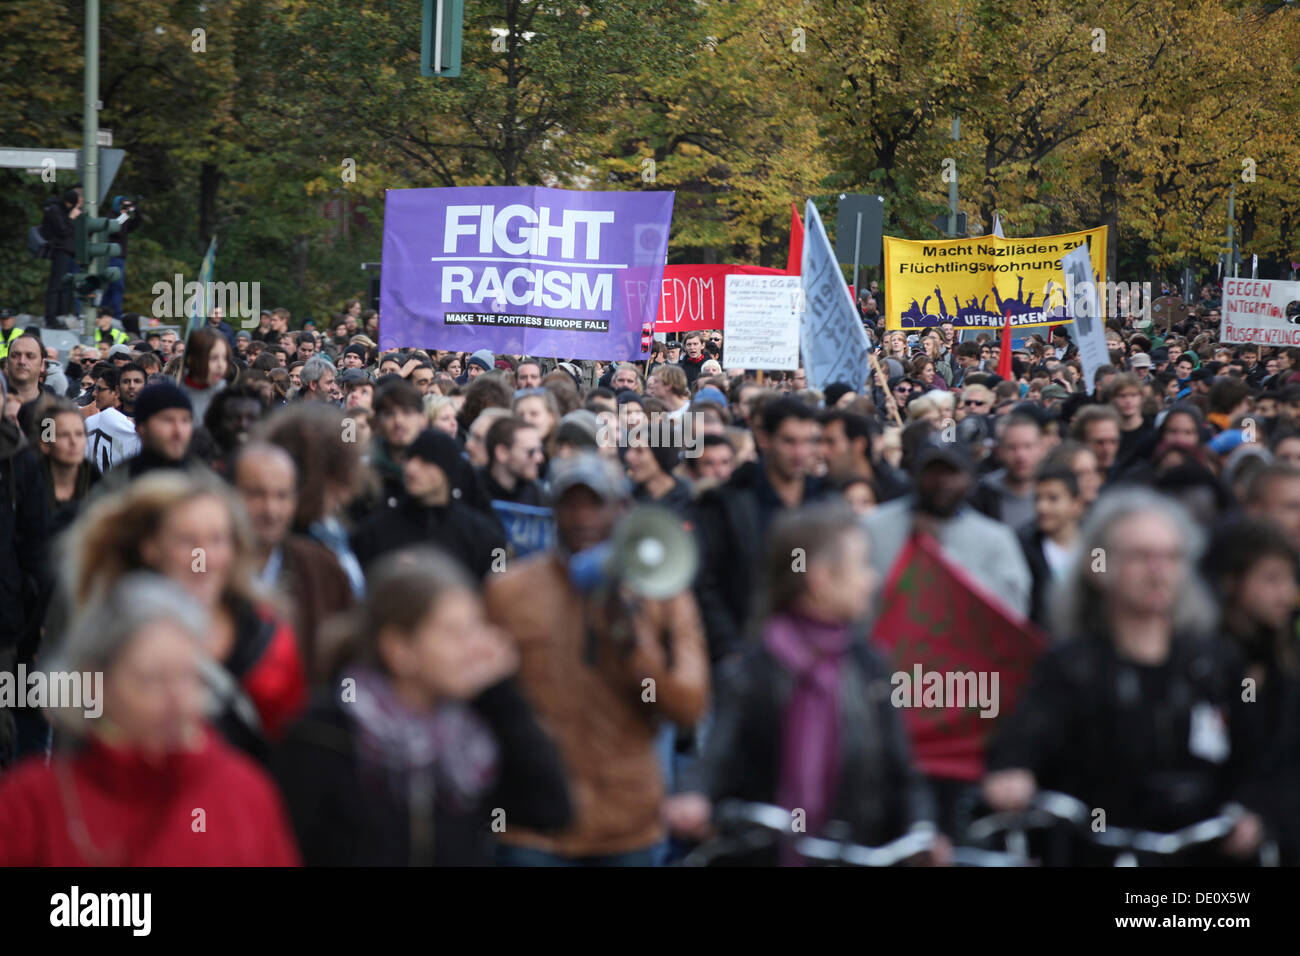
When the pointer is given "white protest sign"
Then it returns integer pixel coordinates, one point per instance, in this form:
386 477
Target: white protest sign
1262 311
1083 302
763 322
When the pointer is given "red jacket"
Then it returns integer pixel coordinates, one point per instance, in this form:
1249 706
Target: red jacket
107 806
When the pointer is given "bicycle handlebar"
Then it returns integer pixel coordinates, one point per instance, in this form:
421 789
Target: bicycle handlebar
1048 807
779 823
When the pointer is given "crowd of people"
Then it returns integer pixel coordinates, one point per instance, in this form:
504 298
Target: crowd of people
329 590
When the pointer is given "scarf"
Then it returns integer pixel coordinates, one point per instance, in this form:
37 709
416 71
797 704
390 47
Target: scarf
813 653
451 744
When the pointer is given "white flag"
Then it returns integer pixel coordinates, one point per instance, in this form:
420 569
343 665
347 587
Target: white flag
832 340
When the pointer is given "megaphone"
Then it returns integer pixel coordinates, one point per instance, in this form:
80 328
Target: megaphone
649 553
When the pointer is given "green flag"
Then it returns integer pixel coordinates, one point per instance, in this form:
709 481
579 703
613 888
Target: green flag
198 316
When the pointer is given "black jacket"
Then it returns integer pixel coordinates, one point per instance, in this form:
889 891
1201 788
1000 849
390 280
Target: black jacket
692 369
1117 734
339 821
26 580
123 236
124 472
467 535
58 228
1031 542
63 513
678 500
524 493
880 794
731 525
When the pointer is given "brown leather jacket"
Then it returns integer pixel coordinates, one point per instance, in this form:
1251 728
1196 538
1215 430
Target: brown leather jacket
598 715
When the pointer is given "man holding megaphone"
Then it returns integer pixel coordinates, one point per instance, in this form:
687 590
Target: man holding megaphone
611 645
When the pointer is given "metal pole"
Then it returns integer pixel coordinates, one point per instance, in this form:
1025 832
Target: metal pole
437 38
90 143
952 186
857 251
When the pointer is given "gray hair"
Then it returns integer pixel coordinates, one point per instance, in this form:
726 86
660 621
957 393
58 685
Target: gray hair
314 369
102 630
1078 607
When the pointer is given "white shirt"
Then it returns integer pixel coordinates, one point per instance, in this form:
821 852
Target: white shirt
1058 558
110 439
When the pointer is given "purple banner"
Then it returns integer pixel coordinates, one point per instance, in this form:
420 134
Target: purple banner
523 270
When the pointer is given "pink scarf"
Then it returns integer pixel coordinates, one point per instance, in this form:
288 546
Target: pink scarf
813 653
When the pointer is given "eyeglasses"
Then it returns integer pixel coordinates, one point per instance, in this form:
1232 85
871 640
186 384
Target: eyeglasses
715 340
973 403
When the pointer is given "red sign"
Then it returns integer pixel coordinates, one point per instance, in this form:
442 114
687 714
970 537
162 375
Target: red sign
954 656
692 296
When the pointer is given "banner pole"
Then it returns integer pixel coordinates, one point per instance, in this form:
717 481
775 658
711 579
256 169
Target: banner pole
857 252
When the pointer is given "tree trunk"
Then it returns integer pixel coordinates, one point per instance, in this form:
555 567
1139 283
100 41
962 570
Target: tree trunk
1110 215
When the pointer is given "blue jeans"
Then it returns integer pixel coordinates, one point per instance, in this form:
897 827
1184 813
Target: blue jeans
116 289
526 856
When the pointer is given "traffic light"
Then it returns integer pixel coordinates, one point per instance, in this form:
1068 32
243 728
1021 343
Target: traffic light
93 247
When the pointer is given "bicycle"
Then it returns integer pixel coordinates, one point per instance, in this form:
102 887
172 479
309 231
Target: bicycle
1129 845
746 827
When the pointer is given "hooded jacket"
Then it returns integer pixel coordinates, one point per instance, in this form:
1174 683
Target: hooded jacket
467 535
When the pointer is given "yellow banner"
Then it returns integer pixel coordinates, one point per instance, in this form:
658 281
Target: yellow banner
974 283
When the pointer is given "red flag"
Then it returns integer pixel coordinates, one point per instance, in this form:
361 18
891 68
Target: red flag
1004 357
945 639
794 262
694 297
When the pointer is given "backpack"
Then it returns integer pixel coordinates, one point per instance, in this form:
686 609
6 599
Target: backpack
37 244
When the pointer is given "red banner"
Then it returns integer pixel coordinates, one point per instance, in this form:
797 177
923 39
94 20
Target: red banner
693 296
954 655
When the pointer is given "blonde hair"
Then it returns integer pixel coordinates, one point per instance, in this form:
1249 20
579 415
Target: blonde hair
433 404
104 545
922 406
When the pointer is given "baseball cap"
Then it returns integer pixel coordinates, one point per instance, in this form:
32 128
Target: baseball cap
578 422
1055 391
589 470
354 376
119 349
